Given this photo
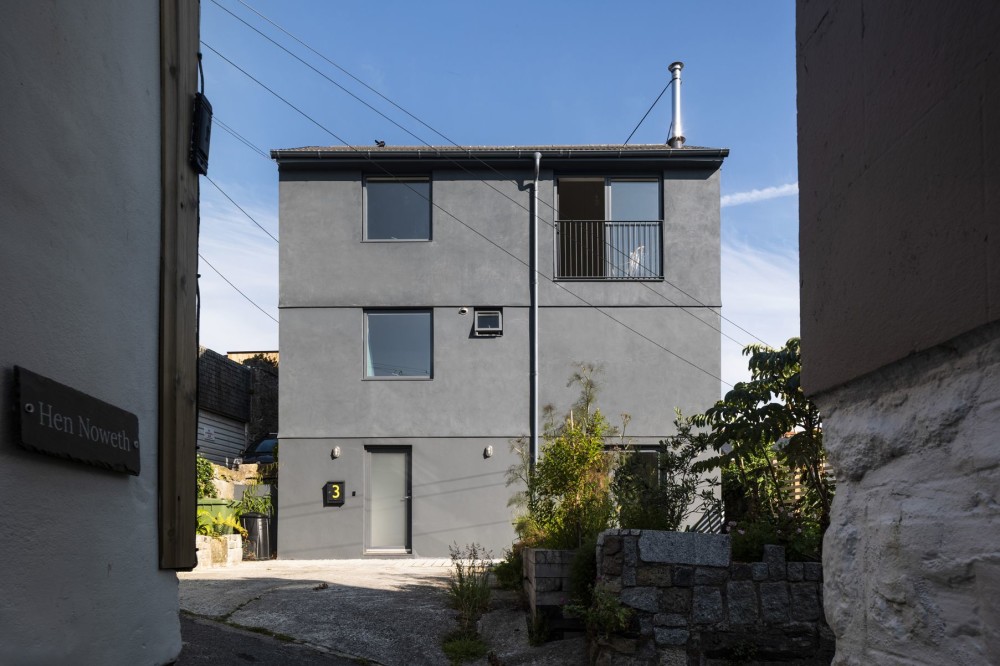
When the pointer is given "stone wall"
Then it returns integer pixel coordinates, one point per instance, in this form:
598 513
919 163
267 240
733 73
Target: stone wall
694 605
913 548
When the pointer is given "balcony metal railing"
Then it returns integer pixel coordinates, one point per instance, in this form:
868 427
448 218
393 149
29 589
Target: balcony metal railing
608 250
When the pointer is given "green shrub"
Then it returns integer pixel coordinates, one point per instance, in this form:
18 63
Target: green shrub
797 532
211 524
461 646
570 485
509 572
566 496
251 502
583 573
205 472
660 496
469 586
605 614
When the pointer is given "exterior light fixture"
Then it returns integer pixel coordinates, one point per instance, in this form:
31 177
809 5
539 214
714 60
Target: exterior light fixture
335 453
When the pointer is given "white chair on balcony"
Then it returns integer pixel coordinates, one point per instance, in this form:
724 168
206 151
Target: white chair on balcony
635 266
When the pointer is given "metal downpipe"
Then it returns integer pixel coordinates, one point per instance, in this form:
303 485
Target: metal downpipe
533 315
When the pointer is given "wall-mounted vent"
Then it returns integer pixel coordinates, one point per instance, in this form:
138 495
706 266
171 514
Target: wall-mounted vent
489 323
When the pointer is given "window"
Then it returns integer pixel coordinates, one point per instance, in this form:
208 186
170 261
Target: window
398 343
489 323
397 209
609 228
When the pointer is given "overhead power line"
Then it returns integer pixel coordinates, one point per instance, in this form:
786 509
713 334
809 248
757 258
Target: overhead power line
250 300
624 255
239 137
460 221
249 217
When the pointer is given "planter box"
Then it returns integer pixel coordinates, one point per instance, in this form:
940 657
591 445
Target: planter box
547 586
219 551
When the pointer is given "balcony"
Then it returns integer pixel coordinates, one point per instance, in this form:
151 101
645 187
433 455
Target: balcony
609 250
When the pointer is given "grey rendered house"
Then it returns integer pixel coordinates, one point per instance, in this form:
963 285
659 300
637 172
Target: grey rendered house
409 353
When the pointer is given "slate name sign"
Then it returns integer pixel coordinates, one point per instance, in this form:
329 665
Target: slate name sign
333 493
61 421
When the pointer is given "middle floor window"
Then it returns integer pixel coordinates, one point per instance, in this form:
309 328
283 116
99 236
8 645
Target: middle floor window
399 343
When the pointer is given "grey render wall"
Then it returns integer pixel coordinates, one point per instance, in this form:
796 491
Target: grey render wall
898 159
79 262
479 394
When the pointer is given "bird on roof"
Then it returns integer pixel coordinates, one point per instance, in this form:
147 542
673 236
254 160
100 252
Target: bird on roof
380 143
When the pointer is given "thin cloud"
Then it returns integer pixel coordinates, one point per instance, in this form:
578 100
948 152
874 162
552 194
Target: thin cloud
760 291
788 190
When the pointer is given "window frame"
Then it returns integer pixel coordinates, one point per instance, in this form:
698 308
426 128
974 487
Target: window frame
607 179
397 179
485 332
631 178
395 378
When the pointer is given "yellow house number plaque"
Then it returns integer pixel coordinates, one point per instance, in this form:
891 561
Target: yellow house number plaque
334 493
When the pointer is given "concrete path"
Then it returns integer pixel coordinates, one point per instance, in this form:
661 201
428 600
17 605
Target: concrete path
391 612
388 612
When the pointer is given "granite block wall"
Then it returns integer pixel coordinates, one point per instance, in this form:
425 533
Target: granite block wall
693 605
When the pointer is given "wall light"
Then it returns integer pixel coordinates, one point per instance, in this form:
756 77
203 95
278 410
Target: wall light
335 453
488 451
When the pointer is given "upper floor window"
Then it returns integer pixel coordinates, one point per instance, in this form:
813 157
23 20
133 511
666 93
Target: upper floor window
397 209
398 343
609 228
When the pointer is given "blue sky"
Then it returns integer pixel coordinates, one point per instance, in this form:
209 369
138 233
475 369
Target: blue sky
490 73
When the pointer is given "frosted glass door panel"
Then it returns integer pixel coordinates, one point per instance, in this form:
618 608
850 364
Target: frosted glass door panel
390 500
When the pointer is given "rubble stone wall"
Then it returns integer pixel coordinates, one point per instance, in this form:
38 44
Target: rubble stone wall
694 605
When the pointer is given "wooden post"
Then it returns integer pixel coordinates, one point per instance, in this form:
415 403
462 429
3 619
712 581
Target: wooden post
178 407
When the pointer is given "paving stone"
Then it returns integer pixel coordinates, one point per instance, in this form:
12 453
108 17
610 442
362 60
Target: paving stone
795 571
759 570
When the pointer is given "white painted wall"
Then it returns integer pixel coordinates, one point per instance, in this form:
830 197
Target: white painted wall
79 263
911 557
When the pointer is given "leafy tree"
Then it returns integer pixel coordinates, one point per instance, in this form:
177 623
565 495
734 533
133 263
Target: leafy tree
661 496
766 431
567 495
